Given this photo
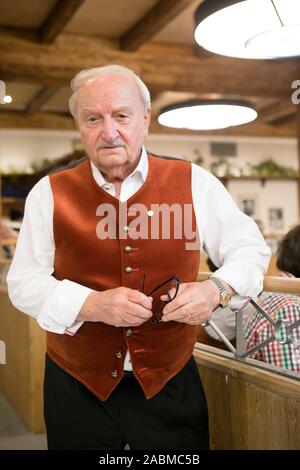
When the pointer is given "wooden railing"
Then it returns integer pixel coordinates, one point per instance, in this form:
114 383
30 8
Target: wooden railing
271 284
285 285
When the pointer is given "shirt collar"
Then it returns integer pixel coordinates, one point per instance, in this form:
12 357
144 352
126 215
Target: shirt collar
141 169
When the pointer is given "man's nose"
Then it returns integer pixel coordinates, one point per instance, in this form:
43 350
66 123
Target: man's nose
109 130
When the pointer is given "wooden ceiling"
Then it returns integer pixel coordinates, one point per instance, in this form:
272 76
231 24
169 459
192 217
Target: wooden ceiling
44 43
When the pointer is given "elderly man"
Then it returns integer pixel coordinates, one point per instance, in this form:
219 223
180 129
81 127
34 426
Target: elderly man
107 262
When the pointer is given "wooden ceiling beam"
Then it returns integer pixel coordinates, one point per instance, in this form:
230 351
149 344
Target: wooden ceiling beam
43 95
28 34
278 111
58 18
284 120
152 22
162 67
20 120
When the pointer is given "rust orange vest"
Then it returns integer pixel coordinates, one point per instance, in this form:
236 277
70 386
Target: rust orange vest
95 354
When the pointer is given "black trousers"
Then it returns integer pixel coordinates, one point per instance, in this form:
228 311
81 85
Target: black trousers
175 418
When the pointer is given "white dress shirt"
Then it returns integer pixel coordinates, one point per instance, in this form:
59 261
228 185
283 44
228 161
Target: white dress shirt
230 238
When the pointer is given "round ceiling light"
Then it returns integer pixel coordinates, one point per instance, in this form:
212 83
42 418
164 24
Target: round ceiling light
251 29
206 115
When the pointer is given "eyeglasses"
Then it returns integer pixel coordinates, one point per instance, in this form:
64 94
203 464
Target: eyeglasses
170 288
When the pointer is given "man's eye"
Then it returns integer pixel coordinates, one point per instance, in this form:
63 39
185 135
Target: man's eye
92 119
122 116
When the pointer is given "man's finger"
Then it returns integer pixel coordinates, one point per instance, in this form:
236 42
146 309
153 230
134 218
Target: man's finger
178 302
139 298
180 313
138 310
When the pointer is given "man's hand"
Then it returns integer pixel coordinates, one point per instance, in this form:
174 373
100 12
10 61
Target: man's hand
118 307
193 304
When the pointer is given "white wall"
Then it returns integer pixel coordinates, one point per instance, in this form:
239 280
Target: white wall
273 195
252 150
20 148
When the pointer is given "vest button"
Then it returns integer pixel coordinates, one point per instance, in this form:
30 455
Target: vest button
126 229
119 355
114 374
128 270
128 332
127 249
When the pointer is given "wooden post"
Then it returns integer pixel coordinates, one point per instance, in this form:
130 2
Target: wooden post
298 137
0 193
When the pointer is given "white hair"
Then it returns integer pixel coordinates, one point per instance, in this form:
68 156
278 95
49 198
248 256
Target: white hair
95 72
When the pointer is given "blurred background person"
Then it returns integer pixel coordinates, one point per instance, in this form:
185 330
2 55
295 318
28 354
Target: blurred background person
8 238
279 307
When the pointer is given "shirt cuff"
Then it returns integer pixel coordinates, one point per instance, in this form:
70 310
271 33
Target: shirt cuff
73 328
246 283
61 309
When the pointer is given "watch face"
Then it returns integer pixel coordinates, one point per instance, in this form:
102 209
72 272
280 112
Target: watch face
225 299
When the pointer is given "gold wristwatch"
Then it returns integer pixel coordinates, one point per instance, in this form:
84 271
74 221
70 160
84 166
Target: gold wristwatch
225 296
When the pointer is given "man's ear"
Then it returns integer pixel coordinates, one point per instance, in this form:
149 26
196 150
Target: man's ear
147 120
76 123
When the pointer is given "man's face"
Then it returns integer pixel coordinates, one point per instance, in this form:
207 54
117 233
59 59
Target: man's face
112 122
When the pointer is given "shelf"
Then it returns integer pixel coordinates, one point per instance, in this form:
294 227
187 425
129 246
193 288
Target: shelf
225 179
273 234
13 200
17 175
255 178
5 261
8 241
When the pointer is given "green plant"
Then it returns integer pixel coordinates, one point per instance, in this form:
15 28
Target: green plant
271 168
199 160
50 165
221 167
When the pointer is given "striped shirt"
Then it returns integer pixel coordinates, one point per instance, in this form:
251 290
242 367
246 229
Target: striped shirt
258 329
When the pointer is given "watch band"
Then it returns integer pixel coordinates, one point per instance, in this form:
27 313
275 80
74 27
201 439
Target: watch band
225 295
